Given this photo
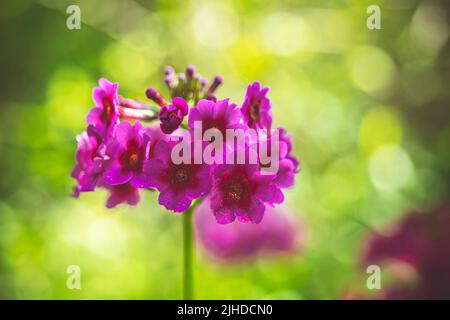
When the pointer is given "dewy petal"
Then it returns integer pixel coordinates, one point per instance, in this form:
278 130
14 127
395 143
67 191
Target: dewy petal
173 201
115 175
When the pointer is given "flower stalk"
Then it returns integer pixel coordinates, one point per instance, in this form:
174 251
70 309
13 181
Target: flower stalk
188 278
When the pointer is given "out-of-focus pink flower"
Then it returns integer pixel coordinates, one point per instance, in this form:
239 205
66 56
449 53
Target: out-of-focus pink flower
277 233
256 107
420 245
105 115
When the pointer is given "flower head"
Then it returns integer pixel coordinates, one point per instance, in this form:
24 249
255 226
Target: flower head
105 115
241 191
171 116
89 156
256 107
127 154
178 184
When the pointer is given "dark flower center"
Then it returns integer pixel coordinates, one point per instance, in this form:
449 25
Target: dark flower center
107 110
218 124
236 190
133 159
254 110
173 115
180 175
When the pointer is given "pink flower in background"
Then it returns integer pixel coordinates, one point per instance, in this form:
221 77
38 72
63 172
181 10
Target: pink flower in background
171 116
278 233
89 167
241 191
418 249
256 107
122 193
127 155
178 184
105 115
220 115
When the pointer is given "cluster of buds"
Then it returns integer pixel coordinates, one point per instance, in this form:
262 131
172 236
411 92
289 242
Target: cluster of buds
190 86
185 88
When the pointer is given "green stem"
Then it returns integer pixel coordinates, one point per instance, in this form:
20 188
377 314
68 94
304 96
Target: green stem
187 255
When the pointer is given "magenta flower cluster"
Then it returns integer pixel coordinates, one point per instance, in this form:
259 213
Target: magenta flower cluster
118 153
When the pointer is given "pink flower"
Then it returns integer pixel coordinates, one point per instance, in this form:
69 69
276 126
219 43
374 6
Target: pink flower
178 184
122 193
241 191
256 107
171 116
419 246
127 154
89 156
288 164
105 115
278 233
220 115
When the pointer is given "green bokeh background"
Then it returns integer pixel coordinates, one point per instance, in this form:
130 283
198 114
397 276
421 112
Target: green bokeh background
368 110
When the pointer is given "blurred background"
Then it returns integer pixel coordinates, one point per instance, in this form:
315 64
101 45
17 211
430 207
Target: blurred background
368 111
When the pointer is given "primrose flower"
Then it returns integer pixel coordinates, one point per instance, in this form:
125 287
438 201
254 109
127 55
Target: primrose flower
89 156
219 115
288 164
241 191
178 184
127 154
105 115
278 233
171 116
256 107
